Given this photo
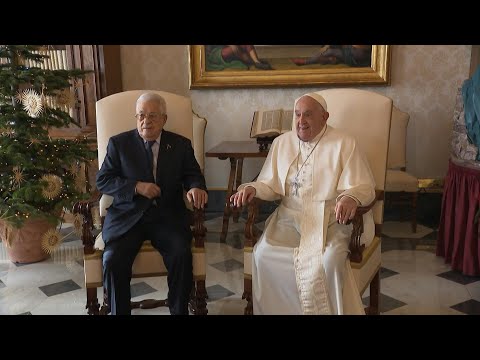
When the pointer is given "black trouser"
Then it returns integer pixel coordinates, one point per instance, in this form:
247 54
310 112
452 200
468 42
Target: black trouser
172 239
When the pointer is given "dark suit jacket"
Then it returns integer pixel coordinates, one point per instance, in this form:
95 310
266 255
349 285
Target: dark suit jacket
126 163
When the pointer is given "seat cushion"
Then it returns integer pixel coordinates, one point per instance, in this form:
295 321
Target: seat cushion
398 180
148 262
371 261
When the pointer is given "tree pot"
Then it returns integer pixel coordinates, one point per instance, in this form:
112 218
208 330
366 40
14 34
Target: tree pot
25 242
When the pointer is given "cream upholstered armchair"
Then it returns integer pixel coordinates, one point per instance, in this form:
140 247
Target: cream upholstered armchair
365 115
401 186
115 114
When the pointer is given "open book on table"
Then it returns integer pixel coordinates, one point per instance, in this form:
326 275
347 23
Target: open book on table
271 123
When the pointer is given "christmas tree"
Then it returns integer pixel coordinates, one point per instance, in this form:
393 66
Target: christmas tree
40 176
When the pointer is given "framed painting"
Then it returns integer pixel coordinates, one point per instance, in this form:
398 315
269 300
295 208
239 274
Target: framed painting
246 66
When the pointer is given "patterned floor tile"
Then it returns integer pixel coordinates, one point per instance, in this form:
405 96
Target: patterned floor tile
212 215
428 243
141 288
385 273
412 261
389 244
399 229
429 248
474 290
470 307
387 303
228 265
425 244
458 277
59 287
416 309
231 305
432 236
19 299
215 225
233 239
68 303
409 280
216 292
423 288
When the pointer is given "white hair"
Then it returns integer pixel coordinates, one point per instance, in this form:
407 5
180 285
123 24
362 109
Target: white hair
150 96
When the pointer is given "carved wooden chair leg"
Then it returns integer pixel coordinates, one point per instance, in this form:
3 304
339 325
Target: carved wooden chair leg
104 310
374 306
247 295
238 181
251 235
198 303
92 302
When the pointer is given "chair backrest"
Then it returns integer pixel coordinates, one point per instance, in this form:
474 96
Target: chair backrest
398 137
199 126
116 114
365 115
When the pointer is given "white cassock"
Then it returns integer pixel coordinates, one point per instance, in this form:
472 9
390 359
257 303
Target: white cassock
300 263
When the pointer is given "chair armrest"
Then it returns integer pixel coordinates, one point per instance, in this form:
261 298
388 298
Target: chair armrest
84 208
356 250
199 229
251 232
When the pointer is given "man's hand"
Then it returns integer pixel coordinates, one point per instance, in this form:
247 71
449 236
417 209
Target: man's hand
243 197
199 197
345 209
149 190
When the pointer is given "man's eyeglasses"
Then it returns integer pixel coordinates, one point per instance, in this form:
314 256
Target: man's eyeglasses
150 116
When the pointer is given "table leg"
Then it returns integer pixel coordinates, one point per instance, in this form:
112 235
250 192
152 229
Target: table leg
238 182
227 209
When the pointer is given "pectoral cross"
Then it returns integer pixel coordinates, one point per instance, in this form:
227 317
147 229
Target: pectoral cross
295 186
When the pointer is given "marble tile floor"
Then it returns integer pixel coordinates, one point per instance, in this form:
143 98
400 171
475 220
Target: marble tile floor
413 279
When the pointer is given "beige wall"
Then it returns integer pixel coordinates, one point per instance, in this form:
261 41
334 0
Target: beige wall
424 82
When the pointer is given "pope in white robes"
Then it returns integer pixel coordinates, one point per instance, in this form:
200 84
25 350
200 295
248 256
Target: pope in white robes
300 263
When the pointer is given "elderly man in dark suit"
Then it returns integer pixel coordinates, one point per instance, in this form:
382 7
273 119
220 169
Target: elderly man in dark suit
146 170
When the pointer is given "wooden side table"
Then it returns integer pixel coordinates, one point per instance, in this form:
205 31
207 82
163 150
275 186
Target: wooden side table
236 151
430 185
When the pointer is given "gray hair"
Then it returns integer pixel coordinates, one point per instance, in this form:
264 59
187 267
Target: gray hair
150 96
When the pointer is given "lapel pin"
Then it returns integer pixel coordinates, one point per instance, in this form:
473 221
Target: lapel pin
168 147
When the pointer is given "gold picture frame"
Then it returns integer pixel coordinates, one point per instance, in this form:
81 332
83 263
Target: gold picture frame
283 66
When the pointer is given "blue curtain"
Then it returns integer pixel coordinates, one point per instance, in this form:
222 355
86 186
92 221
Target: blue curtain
471 103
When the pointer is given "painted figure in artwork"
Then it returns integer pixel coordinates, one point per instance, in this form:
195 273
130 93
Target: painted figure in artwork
351 55
239 57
